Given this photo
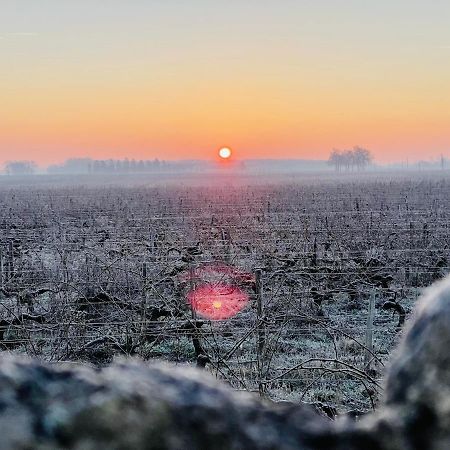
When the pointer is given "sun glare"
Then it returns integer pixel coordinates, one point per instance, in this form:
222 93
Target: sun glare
225 153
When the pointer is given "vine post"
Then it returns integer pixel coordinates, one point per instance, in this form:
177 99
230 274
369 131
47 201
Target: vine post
369 331
260 328
1 267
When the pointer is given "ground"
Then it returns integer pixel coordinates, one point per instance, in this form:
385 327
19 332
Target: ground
93 269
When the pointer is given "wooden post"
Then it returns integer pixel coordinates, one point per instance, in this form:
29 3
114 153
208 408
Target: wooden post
369 331
11 260
1 268
195 333
260 328
191 285
226 240
88 274
144 300
314 256
152 242
144 271
127 276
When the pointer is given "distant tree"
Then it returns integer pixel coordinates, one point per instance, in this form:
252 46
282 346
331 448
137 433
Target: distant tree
20 167
77 165
87 165
361 157
119 166
72 166
110 166
348 159
358 158
335 159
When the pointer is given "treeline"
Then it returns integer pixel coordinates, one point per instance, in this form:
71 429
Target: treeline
20 167
343 160
358 158
105 166
87 165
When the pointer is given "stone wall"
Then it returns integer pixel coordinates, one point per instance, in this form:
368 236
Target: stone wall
133 405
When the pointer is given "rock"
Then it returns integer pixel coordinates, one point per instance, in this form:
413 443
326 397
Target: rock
131 405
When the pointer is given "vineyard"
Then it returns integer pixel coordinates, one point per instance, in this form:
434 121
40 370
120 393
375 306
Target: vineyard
326 271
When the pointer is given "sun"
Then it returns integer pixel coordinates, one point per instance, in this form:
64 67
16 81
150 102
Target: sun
225 153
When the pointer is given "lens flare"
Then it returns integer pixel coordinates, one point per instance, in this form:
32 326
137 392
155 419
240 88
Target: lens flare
221 290
217 301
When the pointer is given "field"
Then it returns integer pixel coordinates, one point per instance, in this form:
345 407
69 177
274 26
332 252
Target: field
331 266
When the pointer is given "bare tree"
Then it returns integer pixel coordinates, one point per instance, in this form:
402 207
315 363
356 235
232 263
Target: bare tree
20 167
335 159
361 157
358 158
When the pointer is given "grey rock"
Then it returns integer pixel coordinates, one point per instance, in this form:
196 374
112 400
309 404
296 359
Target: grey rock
133 405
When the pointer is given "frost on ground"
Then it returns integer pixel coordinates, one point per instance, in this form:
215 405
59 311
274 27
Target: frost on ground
90 273
134 405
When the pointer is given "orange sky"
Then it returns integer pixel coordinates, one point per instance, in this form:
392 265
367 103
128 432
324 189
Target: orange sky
180 79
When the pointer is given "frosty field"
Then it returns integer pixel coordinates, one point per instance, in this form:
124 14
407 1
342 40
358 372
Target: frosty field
329 265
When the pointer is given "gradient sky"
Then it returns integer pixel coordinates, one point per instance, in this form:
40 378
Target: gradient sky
179 78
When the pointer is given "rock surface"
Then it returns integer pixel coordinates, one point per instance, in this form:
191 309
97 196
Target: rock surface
131 405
